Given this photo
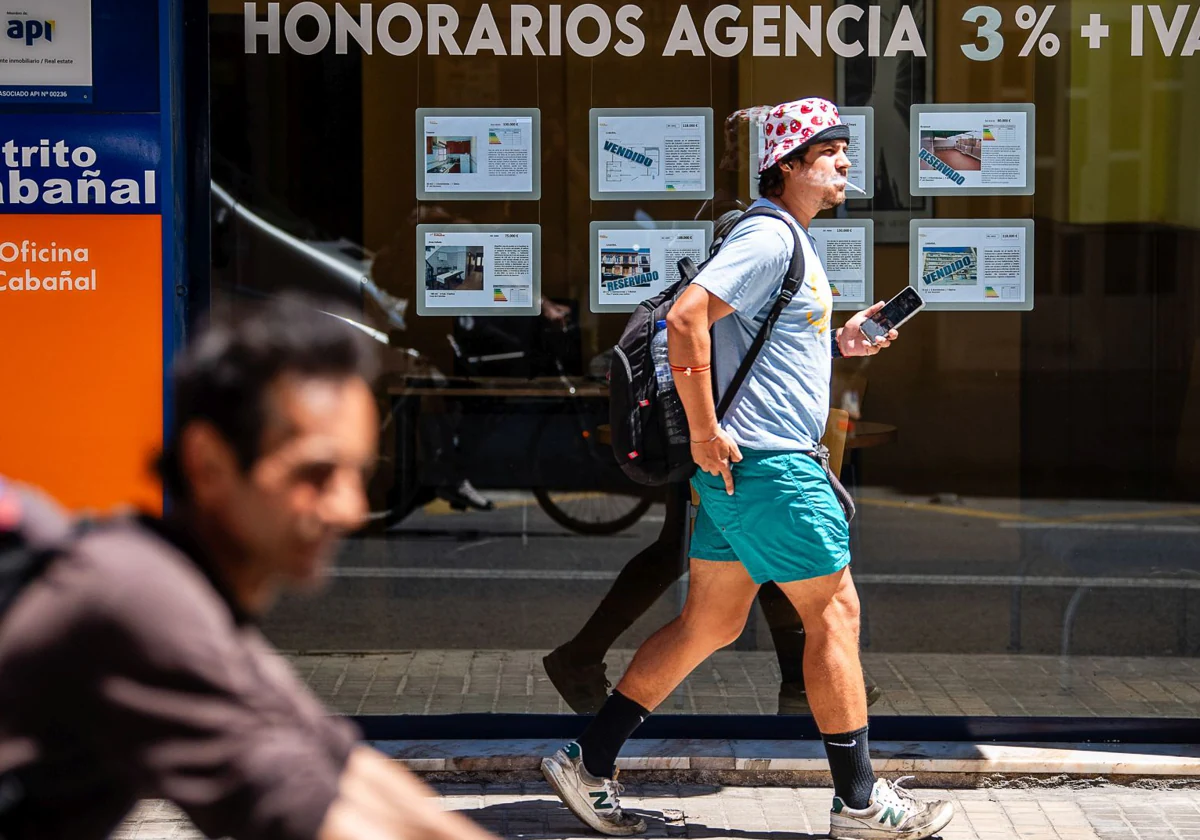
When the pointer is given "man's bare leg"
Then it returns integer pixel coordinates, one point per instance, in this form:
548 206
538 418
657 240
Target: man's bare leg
719 598
865 808
718 601
829 608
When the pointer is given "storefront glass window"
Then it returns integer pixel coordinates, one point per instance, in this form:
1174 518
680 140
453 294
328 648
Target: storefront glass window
490 192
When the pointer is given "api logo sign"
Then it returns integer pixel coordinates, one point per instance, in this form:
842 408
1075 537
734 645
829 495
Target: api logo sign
30 31
45 52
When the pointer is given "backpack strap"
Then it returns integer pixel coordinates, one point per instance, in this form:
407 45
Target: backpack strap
34 530
791 284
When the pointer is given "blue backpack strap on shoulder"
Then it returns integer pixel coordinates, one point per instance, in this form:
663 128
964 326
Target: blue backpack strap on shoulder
791 284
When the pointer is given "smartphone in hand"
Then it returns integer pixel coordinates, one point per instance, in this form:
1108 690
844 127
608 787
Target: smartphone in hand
894 313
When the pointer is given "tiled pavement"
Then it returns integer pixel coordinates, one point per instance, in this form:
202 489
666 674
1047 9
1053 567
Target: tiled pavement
746 682
530 811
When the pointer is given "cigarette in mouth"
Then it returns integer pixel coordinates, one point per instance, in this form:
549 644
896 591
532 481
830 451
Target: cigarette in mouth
855 188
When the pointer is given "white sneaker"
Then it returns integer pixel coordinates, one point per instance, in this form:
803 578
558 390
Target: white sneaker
595 801
893 814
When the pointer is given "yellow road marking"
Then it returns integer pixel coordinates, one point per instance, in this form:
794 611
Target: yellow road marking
978 513
974 513
440 507
1182 513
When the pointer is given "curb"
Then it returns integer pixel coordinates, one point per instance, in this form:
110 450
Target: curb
802 763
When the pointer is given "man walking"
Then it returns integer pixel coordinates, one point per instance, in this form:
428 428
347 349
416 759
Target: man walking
133 666
767 510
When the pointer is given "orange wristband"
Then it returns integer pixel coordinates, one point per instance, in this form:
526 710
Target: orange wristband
688 371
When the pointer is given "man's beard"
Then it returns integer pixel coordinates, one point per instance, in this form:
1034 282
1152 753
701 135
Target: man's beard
831 194
834 197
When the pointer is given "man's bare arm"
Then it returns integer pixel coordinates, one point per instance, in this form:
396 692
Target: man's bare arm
689 345
379 800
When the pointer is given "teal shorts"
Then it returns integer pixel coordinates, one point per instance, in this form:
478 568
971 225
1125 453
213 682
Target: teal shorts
783 521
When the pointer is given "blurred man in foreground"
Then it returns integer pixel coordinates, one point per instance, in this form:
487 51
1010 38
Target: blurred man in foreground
132 663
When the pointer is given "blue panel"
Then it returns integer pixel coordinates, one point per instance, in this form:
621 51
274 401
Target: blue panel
169 73
125 67
118 146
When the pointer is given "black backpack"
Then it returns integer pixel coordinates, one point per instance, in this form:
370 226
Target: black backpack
33 530
640 415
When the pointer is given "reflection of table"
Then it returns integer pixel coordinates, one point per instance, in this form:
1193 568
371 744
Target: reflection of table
866 435
548 387
514 434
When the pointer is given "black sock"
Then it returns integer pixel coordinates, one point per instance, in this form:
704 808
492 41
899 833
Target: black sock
850 765
608 732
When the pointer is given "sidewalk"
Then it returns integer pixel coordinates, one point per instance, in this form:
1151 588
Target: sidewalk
531 812
747 682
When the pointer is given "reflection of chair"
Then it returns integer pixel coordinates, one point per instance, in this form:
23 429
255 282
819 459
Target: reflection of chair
837 428
848 387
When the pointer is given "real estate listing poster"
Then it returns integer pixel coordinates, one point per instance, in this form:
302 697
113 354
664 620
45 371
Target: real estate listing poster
651 153
972 149
973 264
634 261
478 269
846 248
467 154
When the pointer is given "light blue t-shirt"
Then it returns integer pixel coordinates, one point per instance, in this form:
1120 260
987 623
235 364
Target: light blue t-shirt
784 402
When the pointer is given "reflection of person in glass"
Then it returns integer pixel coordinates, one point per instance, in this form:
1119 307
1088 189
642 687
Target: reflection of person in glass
768 511
488 346
440 422
577 669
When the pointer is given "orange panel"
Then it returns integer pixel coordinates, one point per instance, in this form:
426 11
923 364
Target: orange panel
81 371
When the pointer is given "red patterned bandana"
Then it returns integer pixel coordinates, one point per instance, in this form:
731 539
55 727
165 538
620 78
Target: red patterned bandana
792 125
